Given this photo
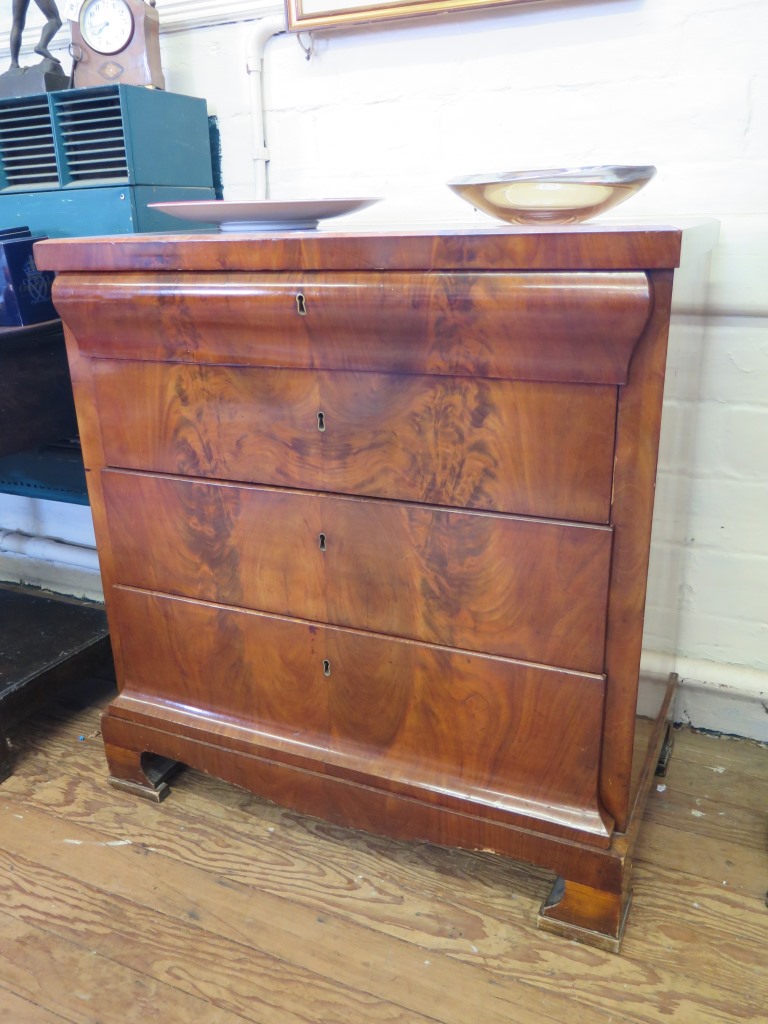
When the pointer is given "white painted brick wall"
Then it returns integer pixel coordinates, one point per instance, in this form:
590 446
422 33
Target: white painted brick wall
396 110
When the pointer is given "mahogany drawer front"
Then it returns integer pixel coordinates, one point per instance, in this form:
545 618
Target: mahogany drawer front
521 588
579 327
532 449
490 730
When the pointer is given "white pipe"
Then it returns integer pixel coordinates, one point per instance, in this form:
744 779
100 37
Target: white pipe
258 37
45 549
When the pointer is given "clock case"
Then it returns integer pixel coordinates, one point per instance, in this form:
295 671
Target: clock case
138 63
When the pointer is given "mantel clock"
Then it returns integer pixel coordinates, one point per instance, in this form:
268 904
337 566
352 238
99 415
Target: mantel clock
117 41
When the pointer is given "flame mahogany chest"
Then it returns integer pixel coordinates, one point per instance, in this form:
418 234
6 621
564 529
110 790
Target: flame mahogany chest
373 513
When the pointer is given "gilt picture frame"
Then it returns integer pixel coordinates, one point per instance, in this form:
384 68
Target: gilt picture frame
319 14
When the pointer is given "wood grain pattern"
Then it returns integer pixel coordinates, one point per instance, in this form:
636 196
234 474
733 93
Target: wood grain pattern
722 754
285 704
572 908
337 914
546 327
277 852
398 715
693 804
580 247
93 459
179 963
355 958
575 842
15 1009
717 860
52 972
637 447
482 582
535 449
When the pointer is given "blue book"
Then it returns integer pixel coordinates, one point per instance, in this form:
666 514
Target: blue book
26 292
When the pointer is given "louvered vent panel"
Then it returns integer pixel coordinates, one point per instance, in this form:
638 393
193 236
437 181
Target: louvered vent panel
92 136
27 151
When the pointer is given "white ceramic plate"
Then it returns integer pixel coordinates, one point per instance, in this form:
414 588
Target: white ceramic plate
262 214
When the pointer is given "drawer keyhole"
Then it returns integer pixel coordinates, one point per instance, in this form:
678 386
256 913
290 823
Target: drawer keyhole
301 304
321 421
322 542
326 667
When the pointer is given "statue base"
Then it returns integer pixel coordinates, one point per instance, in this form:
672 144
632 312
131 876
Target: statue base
47 76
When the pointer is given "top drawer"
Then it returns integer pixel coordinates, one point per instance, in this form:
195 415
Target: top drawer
572 327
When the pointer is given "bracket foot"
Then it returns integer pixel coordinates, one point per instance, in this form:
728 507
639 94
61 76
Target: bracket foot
592 916
142 774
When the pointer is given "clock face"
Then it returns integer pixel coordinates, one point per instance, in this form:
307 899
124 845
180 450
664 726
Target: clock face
106 25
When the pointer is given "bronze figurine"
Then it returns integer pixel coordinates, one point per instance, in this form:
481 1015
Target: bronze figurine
51 27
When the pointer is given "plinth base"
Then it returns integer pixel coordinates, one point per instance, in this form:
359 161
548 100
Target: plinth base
47 76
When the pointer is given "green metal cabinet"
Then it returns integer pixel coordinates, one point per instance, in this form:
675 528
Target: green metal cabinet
88 161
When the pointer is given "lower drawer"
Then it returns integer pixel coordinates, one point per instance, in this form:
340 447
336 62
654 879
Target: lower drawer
529 448
516 587
511 737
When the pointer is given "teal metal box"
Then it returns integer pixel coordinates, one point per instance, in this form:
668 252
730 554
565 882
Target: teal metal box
87 161
113 134
114 210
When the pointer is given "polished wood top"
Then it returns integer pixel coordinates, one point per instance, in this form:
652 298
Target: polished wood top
578 247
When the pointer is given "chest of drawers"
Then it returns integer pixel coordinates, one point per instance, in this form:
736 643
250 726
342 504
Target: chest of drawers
373 515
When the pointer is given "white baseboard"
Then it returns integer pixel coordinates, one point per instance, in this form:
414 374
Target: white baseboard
730 699
62 568
703 705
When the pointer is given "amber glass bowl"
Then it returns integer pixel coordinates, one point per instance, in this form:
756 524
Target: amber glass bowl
565 195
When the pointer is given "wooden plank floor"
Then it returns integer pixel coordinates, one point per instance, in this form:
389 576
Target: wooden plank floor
216 908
